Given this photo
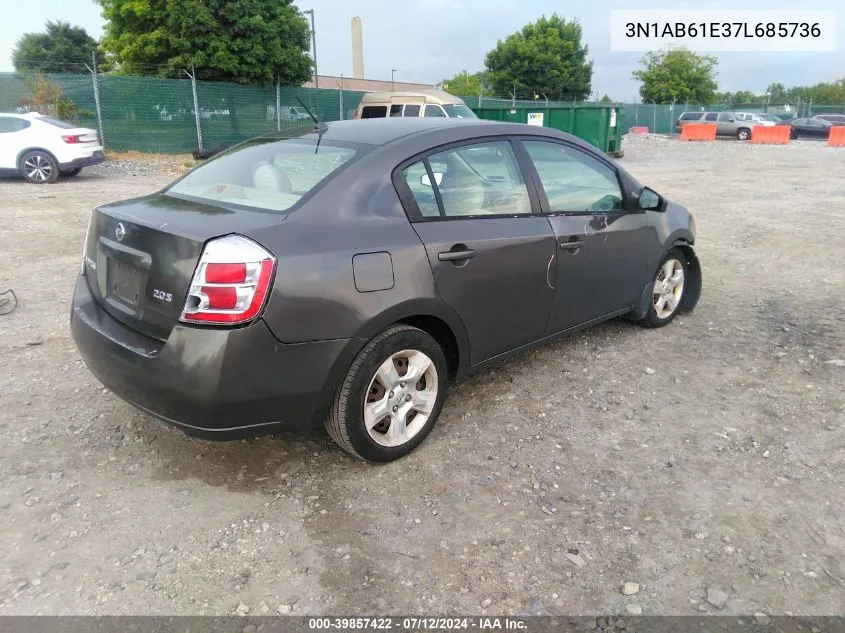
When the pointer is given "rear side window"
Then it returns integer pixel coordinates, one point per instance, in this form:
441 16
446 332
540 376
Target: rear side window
690 116
12 124
711 116
56 122
469 181
412 110
374 112
267 174
396 109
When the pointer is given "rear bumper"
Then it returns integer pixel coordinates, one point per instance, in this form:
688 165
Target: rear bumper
84 161
215 383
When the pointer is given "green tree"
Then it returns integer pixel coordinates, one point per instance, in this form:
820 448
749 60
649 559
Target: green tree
242 41
45 96
544 58
62 48
606 99
677 75
777 92
465 84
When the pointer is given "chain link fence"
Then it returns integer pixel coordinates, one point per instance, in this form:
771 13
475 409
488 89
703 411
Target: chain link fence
149 114
181 115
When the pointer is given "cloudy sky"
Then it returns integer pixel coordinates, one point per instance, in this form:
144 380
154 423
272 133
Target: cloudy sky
429 40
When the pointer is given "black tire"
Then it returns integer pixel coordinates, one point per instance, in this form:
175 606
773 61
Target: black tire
743 134
652 318
345 423
793 135
70 173
39 167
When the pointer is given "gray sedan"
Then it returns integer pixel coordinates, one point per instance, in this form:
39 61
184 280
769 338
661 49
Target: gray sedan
342 274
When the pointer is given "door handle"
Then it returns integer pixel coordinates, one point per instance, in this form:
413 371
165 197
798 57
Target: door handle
572 246
453 256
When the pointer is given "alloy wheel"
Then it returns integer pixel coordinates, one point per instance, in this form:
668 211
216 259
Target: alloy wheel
668 288
37 168
400 398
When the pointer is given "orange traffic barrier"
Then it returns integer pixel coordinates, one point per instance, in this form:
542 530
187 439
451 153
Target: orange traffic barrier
698 132
639 129
837 136
770 135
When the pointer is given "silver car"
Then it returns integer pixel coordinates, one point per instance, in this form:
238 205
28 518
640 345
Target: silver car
727 123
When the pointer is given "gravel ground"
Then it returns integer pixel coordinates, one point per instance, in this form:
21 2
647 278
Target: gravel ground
702 462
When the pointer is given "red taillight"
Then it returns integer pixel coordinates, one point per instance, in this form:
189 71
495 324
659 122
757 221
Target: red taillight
72 139
231 282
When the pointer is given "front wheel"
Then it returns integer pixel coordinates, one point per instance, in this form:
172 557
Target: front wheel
391 396
39 167
670 283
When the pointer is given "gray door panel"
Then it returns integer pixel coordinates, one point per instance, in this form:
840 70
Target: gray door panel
605 273
502 291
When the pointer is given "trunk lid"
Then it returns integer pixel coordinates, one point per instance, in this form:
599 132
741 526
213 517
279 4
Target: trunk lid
87 136
140 255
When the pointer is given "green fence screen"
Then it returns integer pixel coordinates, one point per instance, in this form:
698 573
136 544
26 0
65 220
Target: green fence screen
149 114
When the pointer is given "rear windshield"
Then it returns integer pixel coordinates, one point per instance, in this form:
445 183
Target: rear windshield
459 111
56 122
268 174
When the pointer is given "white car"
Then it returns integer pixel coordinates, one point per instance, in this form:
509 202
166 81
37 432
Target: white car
42 148
753 116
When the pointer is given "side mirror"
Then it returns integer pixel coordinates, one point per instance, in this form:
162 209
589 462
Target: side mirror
426 181
650 200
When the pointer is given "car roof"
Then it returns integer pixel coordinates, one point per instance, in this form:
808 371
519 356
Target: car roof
381 131
417 132
384 96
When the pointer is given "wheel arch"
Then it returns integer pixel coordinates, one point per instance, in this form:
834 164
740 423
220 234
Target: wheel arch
693 292
683 241
433 317
26 151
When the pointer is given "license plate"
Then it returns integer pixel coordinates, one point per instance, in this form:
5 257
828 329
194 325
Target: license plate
125 282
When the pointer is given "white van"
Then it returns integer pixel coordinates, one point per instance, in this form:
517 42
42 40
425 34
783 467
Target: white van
422 103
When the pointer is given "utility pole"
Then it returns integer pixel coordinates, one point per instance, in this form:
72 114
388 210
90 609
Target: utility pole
313 47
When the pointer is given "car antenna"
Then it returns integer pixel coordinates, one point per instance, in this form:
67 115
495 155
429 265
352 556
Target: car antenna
317 124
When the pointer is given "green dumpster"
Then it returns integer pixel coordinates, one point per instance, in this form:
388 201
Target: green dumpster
598 124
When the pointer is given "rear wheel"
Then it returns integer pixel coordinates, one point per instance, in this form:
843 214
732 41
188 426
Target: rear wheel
743 134
69 173
39 167
391 396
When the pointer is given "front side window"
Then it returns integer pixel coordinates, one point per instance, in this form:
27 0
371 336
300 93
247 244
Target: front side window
412 110
267 174
434 111
711 116
396 109
725 117
483 179
574 181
